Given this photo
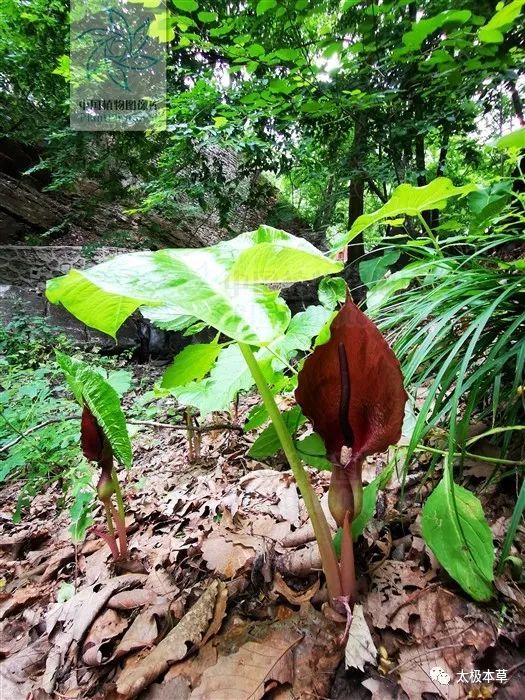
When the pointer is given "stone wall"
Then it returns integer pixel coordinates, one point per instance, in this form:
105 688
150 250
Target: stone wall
31 266
24 271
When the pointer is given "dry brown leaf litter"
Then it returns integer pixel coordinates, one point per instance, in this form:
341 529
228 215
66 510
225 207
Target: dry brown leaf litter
181 523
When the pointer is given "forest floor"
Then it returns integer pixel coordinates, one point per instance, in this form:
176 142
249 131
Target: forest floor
222 598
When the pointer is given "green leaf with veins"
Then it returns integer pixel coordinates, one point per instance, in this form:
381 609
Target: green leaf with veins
411 201
516 139
312 451
209 284
279 257
92 390
332 291
425 27
455 529
229 376
375 269
268 443
191 364
506 15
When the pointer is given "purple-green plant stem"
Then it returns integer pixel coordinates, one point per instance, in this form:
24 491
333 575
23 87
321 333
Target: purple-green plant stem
121 531
313 506
347 564
109 518
118 494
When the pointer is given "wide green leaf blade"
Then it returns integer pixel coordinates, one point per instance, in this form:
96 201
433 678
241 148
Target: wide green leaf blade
303 327
93 390
90 303
371 271
506 14
192 364
229 376
169 284
268 444
312 450
455 529
271 255
283 260
411 201
425 27
332 291
516 139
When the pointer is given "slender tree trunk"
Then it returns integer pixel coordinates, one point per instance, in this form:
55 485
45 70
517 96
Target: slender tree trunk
325 210
419 143
356 194
443 152
517 103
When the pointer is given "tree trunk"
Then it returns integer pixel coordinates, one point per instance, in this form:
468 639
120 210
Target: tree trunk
517 103
356 194
434 223
325 211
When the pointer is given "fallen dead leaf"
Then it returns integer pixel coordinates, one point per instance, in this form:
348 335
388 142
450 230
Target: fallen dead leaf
13 544
218 613
316 655
172 648
127 600
68 622
299 562
22 597
382 689
227 554
415 667
23 666
105 628
57 561
390 588
281 588
360 648
279 493
144 630
248 673
175 689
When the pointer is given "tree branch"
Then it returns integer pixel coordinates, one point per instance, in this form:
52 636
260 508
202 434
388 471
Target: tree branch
152 424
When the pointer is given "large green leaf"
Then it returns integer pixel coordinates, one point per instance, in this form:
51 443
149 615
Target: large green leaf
91 389
312 451
455 529
171 286
268 444
168 285
192 364
516 139
332 291
411 201
230 375
303 327
280 257
425 27
384 289
506 15
373 270
90 303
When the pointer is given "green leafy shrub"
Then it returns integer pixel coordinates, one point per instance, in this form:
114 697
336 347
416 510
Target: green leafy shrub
457 321
39 424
